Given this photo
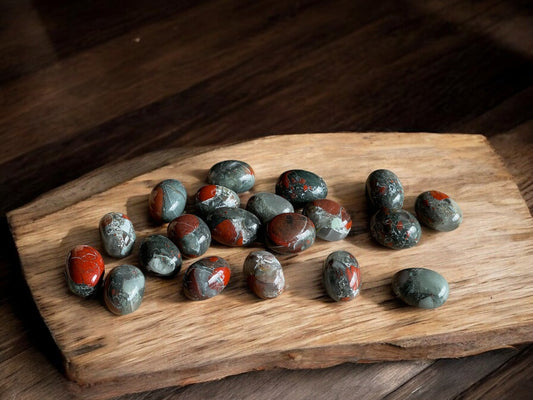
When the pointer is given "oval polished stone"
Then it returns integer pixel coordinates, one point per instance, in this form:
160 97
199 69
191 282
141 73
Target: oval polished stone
84 270
160 256
267 205
341 276
396 229
332 221
233 174
167 200
290 233
210 197
264 274
206 278
438 211
124 289
384 189
420 287
191 234
300 186
117 234
233 226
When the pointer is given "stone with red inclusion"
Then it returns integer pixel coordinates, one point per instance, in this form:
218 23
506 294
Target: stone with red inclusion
210 197
206 278
341 276
290 233
84 270
300 187
332 221
438 211
191 234
233 226
395 229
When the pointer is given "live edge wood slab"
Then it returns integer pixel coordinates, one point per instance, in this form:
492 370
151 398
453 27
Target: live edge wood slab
170 340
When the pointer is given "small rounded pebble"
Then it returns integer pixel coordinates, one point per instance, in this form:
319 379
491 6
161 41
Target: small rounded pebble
210 197
124 289
332 221
341 276
117 234
160 256
84 270
191 234
167 200
395 229
233 226
267 205
300 186
264 274
438 211
233 174
206 278
290 233
384 190
420 287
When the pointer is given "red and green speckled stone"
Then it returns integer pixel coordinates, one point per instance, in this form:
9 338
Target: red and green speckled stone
341 276
191 234
84 270
124 289
290 233
395 229
332 221
438 211
383 189
210 197
206 278
264 274
117 234
233 226
167 200
300 187
233 174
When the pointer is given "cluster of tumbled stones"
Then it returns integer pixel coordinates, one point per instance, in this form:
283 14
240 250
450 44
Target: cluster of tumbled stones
272 218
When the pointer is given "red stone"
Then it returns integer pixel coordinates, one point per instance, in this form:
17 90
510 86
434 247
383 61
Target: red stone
85 265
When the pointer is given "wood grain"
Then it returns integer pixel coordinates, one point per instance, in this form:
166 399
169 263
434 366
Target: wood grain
227 335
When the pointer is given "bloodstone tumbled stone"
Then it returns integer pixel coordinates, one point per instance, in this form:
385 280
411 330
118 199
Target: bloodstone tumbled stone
124 289
264 274
117 234
420 287
191 234
235 175
267 205
300 187
84 270
233 226
167 200
210 197
384 189
396 229
438 211
160 256
341 276
206 278
332 221
290 233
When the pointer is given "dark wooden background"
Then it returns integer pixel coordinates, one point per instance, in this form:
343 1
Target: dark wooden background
87 83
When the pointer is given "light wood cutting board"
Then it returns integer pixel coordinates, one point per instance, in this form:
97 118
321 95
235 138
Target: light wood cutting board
172 341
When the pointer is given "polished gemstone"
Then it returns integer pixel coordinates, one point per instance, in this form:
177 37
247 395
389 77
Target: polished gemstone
438 211
267 205
191 234
206 278
264 274
117 234
384 189
233 226
332 221
84 270
290 233
420 287
167 200
300 186
124 289
210 197
341 276
159 256
396 229
233 174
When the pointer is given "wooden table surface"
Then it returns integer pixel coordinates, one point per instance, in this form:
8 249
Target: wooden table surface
86 84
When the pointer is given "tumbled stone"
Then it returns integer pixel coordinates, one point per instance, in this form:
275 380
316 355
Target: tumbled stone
264 274
84 270
438 211
290 233
341 276
124 289
233 174
206 278
332 221
159 256
191 234
420 287
233 226
395 229
300 186
210 197
167 200
267 205
384 190
117 234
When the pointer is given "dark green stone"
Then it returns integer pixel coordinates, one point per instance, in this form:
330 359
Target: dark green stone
300 187
420 287
264 274
341 276
438 211
124 289
395 229
267 205
160 256
384 189
233 174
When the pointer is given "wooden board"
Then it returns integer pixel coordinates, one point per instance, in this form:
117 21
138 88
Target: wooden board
173 341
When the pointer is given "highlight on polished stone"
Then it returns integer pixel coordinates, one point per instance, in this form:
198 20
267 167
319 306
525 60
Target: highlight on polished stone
159 256
233 174
167 200
117 234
